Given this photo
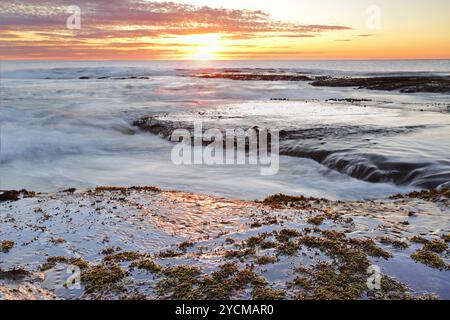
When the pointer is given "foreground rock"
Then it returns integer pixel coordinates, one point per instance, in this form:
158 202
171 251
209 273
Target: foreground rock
144 243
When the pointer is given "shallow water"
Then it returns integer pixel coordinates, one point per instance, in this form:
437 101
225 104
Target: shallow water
59 131
83 224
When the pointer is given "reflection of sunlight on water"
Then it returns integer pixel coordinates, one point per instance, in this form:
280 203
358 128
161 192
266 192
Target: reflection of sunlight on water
195 215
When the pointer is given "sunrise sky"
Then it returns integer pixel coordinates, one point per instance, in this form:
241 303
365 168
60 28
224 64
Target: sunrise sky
226 29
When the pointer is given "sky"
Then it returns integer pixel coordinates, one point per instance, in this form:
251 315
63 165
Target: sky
224 29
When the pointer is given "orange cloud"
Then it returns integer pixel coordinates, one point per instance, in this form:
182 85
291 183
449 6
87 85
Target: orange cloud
136 29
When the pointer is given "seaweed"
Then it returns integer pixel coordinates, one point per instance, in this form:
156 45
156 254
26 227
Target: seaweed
429 195
125 189
219 285
436 245
13 195
110 250
389 289
185 245
419 239
429 258
14 274
180 282
255 225
446 237
169 253
53 261
282 200
285 235
102 278
146 264
133 297
262 260
57 240
287 248
123 256
7 245
369 246
240 254
256 240
316 220
325 282
145 188
267 293
229 241
187 282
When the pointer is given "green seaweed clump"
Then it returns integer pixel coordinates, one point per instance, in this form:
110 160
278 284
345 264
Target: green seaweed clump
256 240
281 200
265 260
7 245
133 297
325 282
285 235
103 278
389 289
446 237
239 254
437 246
267 293
146 264
429 195
123 256
220 284
369 246
169 253
13 195
288 248
180 283
316 220
418 239
343 278
186 283
53 261
185 245
429 258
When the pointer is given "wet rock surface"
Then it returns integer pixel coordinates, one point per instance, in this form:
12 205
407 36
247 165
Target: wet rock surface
332 145
256 77
405 84
145 243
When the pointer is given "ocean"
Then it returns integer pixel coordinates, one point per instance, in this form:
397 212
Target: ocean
70 124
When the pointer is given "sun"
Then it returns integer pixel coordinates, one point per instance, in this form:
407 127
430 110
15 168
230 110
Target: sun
205 46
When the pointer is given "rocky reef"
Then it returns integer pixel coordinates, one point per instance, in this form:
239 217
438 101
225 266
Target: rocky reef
145 243
406 84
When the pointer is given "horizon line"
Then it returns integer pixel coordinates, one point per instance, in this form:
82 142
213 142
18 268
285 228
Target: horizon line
220 60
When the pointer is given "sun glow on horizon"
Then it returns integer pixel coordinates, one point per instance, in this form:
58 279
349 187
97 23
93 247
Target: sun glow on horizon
225 30
206 47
